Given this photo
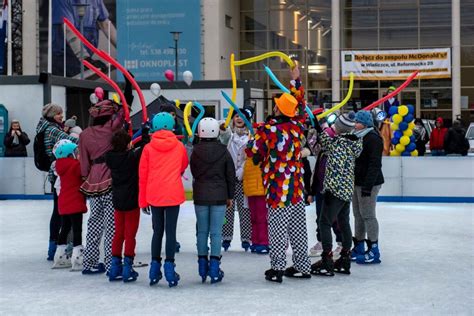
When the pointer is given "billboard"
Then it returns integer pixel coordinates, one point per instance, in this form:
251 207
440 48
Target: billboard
396 64
145 45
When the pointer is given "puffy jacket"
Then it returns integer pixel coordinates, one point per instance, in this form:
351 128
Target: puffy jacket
456 141
70 200
163 162
253 179
213 172
16 150
368 167
438 135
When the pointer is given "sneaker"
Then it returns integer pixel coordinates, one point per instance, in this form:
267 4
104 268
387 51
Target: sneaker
97 269
291 272
274 275
371 256
316 250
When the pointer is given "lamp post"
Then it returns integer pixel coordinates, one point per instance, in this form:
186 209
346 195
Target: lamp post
81 12
176 39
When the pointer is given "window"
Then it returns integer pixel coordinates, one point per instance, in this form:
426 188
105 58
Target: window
228 21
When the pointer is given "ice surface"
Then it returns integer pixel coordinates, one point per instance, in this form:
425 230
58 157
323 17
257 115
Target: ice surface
427 268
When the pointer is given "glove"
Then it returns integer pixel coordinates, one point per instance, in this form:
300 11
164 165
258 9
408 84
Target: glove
366 193
146 210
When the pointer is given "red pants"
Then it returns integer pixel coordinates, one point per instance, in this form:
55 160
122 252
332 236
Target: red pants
126 227
258 217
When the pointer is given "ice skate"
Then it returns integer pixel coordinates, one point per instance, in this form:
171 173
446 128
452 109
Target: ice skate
128 274
115 271
292 272
97 269
77 258
215 273
274 275
246 245
316 250
178 247
371 256
61 259
226 244
170 274
51 250
358 249
203 267
325 266
262 250
343 264
155 274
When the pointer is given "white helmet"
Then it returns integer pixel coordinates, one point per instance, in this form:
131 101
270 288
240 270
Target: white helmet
208 128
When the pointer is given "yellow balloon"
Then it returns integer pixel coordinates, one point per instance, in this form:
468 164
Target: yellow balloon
394 153
400 148
404 140
186 114
115 98
411 125
177 103
340 105
414 153
407 132
284 56
397 118
394 127
403 110
234 89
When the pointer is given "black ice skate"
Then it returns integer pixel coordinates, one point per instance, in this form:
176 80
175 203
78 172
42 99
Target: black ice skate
343 264
325 266
274 275
291 272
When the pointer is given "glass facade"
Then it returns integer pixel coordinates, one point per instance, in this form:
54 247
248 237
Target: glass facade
302 28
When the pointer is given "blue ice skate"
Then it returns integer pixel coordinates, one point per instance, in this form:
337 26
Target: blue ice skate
128 274
371 256
203 267
51 250
178 247
262 250
358 249
226 244
171 276
215 273
155 274
246 245
115 271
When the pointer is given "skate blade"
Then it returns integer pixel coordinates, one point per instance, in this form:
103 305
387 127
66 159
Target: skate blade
343 271
140 264
61 266
323 273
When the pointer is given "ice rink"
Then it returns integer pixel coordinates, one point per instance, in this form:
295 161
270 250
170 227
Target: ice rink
427 268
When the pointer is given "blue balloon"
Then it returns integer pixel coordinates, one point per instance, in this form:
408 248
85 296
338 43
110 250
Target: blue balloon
412 139
403 126
310 114
236 109
411 109
392 110
408 118
202 111
276 81
406 153
395 140
411 147
397 134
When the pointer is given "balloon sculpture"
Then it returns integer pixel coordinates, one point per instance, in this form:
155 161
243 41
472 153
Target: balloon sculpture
402 127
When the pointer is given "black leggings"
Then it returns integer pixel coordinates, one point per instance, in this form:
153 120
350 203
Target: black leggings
73 221
55 222
164 219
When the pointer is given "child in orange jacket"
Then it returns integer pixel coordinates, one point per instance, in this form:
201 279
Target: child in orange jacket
163 162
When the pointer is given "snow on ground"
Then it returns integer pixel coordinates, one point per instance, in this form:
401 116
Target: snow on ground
427 268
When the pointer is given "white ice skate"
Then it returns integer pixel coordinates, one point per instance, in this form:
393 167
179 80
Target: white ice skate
316 250
77 258
61 258
337 252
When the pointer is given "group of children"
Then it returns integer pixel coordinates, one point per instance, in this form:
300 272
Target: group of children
260 176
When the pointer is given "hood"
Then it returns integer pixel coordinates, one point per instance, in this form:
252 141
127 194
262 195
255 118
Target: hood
63 165
103 108
43 124
209 151
440 120
163 141
115 159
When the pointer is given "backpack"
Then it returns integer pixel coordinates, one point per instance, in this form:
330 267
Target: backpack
42 160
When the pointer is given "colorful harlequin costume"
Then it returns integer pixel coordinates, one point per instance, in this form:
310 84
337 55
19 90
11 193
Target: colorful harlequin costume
277 146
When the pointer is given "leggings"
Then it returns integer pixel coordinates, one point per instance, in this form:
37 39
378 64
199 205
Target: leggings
73 221
164 219
55 221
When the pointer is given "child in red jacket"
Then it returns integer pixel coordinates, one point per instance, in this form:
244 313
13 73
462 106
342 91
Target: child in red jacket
163 162
71 206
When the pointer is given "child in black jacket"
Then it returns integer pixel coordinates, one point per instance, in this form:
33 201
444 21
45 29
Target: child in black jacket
213 189
123 163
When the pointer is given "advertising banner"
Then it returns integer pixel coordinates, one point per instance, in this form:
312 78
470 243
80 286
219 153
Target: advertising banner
145 44
396 64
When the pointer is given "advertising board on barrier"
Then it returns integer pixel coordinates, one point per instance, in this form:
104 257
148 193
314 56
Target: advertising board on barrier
396 64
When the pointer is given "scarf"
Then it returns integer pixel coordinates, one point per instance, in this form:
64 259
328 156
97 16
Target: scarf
241 131
16 140
363 132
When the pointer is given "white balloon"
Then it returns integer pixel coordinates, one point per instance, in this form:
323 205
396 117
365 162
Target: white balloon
188 77
155 89
93 98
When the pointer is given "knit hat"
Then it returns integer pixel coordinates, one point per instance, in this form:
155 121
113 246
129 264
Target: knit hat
71 122
391 88
365 118
287 104
50 110
345 123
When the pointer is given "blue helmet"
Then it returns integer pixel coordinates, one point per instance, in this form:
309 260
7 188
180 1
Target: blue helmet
163 120
65 149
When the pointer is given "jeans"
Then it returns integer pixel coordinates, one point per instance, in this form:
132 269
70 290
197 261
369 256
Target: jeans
210 219
164 219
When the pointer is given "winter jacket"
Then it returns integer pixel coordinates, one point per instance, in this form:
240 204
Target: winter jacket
253 179
277 146
163 162
94 143
236 145
421 138
437 136
342 152
52 134
368 167
70 199
455 141
213 171
16 150
124 170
